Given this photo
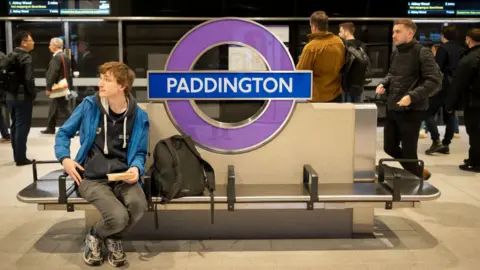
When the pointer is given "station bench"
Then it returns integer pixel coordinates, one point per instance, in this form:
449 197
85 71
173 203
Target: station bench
57 191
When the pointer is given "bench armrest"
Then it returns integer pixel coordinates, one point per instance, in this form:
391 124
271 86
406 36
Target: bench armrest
398 181
381 171
147 182
63 192
34 166
231 197
310 181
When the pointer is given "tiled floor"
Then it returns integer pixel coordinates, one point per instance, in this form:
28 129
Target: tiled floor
444 234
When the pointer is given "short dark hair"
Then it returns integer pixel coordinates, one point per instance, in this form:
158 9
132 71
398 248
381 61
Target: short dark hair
348 26
320 20
407 23
474 34
450 32
21 36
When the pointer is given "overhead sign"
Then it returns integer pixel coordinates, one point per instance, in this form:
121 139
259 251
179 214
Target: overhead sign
178 86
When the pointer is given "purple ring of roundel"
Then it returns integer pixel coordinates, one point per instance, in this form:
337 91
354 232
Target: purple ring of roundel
230 31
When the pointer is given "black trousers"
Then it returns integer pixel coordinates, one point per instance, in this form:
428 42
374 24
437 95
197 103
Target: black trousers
437 103
400 137
21 114
472 125
57 105
3 125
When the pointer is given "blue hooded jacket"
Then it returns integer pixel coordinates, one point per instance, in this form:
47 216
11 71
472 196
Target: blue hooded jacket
86 118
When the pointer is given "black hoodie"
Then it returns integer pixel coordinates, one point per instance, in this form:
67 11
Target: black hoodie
109 153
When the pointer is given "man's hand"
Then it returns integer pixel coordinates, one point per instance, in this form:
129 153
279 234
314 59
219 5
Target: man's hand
405 101
380 90
70 166
135 175
48 92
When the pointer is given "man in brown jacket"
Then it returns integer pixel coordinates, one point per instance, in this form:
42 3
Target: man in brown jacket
325 56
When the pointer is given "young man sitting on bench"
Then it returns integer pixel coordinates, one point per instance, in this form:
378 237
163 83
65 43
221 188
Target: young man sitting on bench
108 166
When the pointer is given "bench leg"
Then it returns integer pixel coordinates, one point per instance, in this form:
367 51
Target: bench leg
91 217
362 220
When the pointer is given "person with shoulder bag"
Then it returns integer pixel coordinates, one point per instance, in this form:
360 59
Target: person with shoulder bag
59 83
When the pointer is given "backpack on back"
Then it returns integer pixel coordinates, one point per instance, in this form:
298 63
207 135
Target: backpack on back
356 69
3 73
8 79
178 170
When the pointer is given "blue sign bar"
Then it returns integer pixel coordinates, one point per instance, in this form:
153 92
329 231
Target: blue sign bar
230 85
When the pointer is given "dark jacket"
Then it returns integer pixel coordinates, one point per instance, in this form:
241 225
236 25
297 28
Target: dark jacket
56 71
447 57
324 55
22 82
109 151
419 80
465 88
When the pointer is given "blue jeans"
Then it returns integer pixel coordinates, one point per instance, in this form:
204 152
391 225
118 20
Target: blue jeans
349 98
456 125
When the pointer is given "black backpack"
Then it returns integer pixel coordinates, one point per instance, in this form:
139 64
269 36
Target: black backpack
4 65
178 170
8 79
356 69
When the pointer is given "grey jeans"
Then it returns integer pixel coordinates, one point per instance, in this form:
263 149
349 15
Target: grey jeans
121 206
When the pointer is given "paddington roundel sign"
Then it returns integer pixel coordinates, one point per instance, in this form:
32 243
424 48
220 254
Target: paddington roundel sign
177 86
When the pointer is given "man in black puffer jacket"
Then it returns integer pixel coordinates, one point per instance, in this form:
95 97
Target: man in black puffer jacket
414 76
465 94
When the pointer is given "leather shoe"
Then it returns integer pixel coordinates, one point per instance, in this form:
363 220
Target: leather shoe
47 131
24 162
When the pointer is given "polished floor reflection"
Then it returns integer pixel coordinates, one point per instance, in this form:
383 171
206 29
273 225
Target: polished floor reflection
442 234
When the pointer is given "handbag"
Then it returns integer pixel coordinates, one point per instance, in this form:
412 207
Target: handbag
61 89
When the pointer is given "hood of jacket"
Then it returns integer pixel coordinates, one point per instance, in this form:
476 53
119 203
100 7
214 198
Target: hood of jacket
130 112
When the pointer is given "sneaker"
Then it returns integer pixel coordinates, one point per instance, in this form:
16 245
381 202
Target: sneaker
436 145
426 174
93 254
116 255
445 149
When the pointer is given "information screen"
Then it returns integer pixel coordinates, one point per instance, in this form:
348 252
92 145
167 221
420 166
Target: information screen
39 8
431 8
92 7
471 9
65 7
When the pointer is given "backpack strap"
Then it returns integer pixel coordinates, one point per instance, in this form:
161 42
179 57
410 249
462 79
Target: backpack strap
176 165
209 173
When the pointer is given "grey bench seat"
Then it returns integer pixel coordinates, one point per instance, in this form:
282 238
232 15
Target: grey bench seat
396 185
